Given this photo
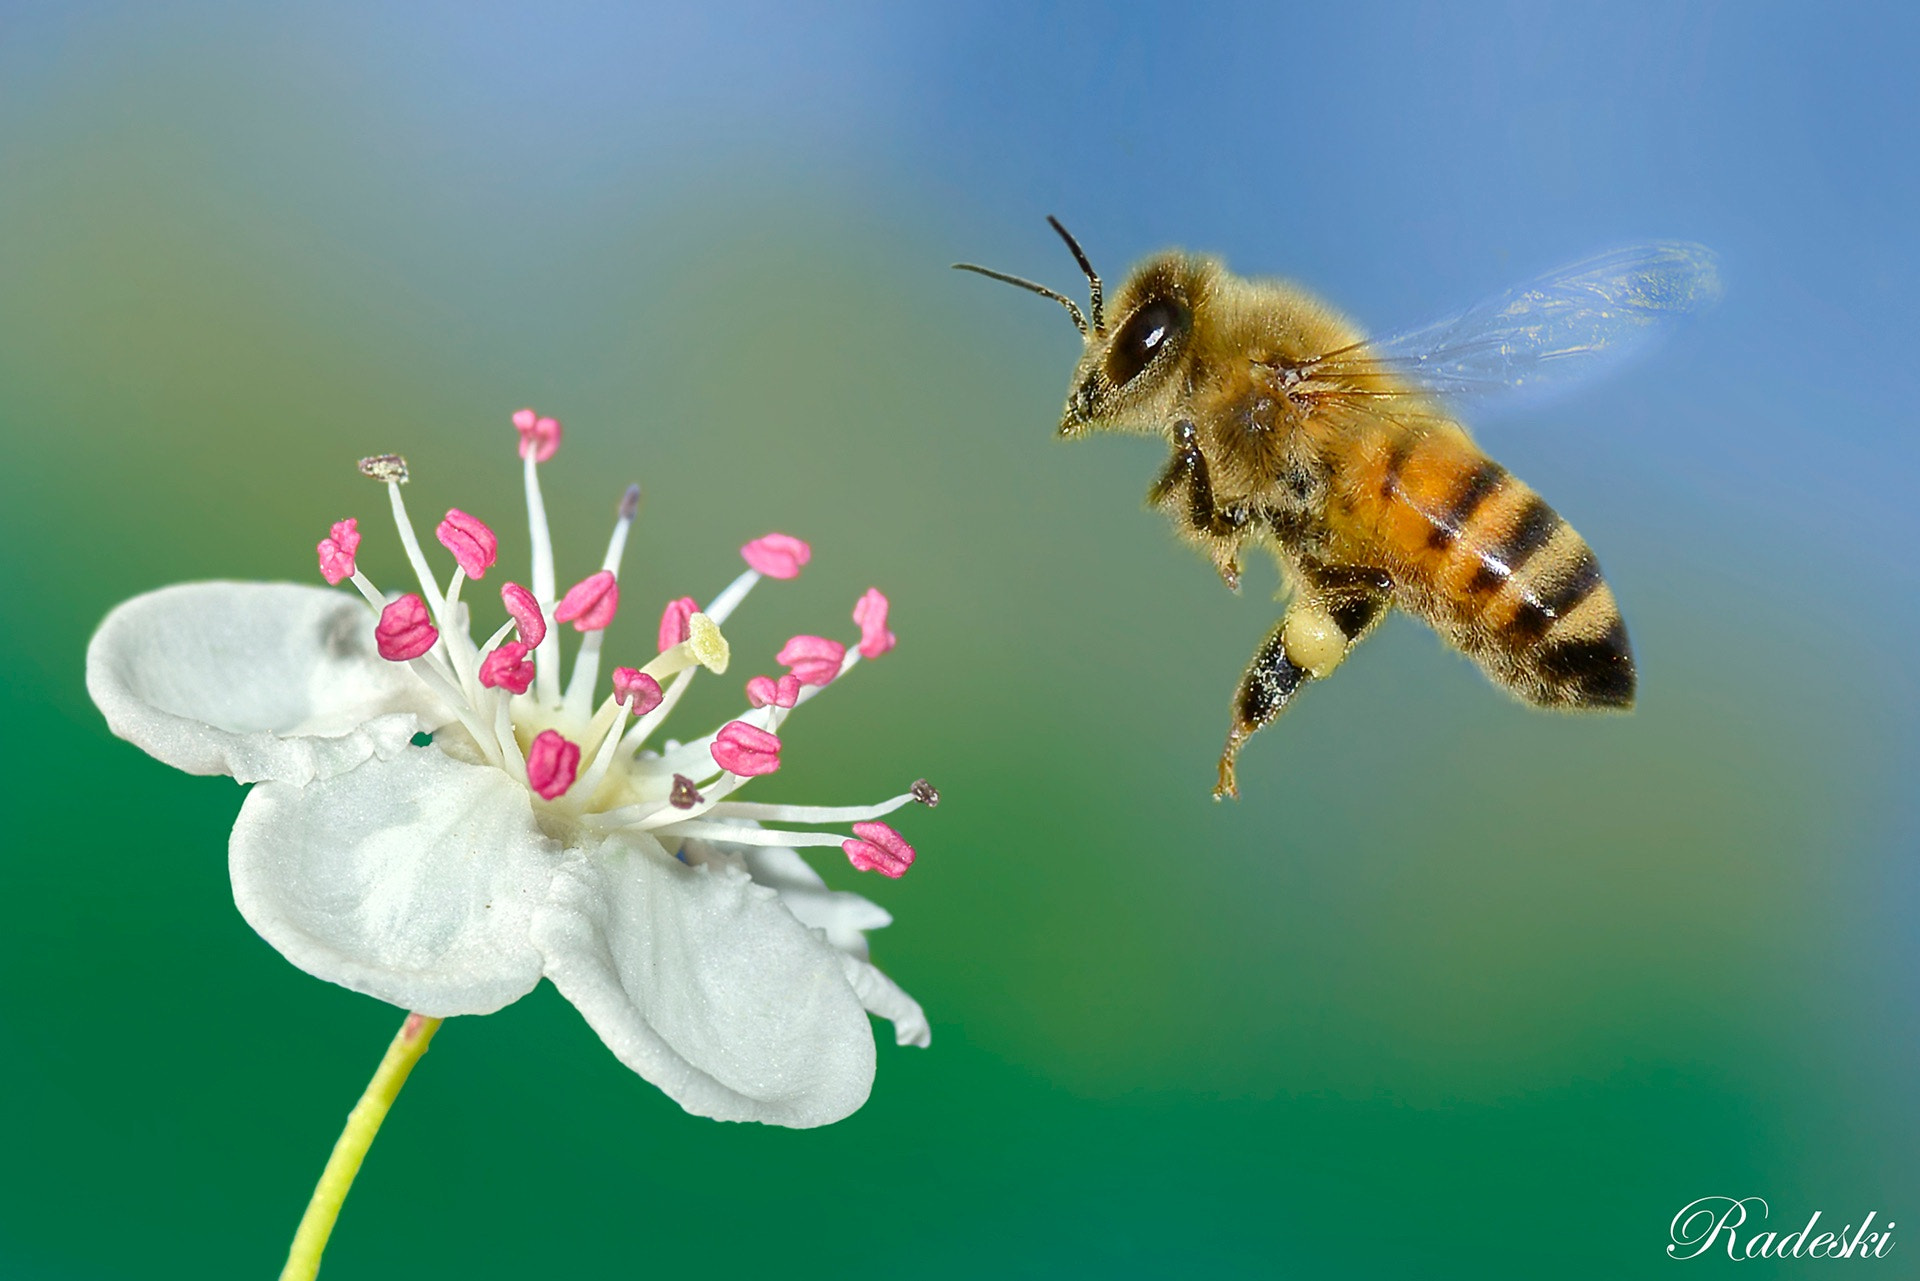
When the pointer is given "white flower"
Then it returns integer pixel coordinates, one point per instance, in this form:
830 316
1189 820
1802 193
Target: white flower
440 823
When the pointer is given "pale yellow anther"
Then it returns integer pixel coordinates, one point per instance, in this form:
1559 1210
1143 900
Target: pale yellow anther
710 648
704 645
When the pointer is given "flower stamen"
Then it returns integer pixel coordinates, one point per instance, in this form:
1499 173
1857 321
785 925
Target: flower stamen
391 470
634 692
645 725
813 660
552 763
706 831
337 551
878 848
404 632
812 813
589 618
705 646
640 692
591 603
507 667
473 545
539 437
870 613
673 621
525 612
535 448
764 691
777 555
746 750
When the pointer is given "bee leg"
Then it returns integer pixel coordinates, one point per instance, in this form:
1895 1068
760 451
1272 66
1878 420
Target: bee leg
1220 528
1226 563
1265 689
1336 606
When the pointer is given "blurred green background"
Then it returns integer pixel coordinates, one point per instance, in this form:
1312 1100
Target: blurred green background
1457 990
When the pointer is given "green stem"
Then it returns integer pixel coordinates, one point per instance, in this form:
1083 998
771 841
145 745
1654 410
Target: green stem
350 1149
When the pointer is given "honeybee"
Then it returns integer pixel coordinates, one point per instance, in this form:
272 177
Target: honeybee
1289 428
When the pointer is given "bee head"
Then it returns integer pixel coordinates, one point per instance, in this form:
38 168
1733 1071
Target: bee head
1130 374
1127 375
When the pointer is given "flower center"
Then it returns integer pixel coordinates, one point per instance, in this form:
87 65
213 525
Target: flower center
584 763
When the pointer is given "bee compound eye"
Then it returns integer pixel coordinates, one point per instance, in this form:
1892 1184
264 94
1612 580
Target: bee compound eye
1147 332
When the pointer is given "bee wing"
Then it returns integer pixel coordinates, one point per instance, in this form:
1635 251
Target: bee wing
1548 333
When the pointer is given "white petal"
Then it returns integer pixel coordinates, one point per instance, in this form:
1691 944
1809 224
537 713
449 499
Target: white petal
840 915
882 996
412 879
700 981
256 680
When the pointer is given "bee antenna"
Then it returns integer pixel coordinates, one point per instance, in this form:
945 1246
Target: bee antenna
1093 277
1073 308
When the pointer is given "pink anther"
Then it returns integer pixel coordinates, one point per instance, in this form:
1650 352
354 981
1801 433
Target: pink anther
745 750
337 549
525 611
777 555
870 612
815 660
591 603
552 763
673 622
470 541
508 667
879 849
404 630
539 437
636 688
763 691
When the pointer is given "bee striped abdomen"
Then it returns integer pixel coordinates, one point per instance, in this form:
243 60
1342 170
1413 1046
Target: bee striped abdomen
1499 573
